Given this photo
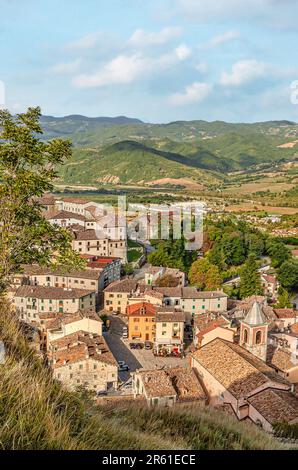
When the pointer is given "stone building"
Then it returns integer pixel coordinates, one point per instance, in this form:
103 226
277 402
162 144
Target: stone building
83 359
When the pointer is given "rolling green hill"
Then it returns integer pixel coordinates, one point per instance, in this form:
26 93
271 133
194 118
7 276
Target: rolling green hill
130 162
125 150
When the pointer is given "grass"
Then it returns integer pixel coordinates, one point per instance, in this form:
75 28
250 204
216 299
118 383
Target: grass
133 255
36 412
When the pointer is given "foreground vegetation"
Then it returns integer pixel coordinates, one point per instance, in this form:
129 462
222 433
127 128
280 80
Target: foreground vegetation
37 413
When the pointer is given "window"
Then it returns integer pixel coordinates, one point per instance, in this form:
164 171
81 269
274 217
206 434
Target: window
245 336
258 337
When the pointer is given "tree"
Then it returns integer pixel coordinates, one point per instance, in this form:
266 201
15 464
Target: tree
204 275
27 171
288 274
250 283
283 298
278 252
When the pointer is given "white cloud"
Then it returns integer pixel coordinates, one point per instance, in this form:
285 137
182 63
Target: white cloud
125 69
65 68
194 93
243 71
182 52
142 38
202 67
86 42
216 41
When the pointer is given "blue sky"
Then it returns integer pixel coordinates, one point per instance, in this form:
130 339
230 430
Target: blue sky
158 60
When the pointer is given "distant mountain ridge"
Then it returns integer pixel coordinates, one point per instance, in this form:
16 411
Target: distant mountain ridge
113 146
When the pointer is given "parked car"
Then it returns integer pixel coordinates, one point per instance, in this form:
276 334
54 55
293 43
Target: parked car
148 345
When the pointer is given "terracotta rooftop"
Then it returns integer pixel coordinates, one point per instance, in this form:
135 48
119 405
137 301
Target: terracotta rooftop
276 405
80 346
269 278
154 294
180 382
239 371
55 323
285 312
193 293
220 323
283 359
168 314
41 292
89 234
294 329
141 309
35 270
65 215
127 285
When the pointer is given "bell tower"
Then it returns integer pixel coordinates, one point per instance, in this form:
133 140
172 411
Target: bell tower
254 332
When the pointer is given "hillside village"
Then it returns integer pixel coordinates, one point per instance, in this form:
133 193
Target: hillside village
125 337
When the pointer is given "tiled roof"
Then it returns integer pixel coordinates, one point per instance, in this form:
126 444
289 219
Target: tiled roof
178 381
40 292
125 285
168 291
220 323
168 314
283 359
269 278
239 371
89 234
275 405
193 293
67 318
285 312
66 215
80 346
35 270
294 329
141 309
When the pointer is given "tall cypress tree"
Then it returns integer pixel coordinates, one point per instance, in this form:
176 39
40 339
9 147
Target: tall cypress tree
250 278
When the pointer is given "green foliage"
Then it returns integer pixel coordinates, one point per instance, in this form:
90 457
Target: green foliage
278 252
133 255
288 274
172 254
128 269
250 283
233 242
27 170
283 298
204 275
286 430
227 146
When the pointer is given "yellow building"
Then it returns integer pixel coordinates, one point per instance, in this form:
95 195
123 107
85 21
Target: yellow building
141 321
